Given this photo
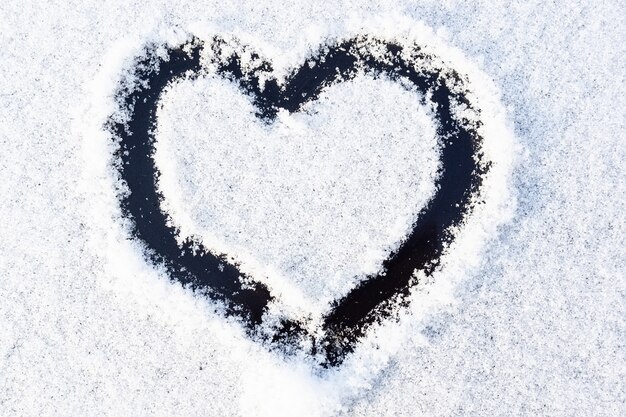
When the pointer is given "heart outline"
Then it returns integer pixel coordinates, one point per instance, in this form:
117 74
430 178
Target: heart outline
218 277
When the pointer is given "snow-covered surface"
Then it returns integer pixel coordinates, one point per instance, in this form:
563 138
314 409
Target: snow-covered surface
315 196
531 322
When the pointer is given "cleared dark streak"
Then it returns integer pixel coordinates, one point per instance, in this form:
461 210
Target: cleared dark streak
193 265
190 264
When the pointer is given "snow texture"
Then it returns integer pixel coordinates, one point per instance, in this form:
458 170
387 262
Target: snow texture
527 316
288 192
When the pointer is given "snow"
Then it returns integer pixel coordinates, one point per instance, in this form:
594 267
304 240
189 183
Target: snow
526 317
285 194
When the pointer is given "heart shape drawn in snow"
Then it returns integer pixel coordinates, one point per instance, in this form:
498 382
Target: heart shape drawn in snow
458 186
